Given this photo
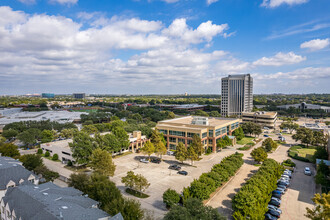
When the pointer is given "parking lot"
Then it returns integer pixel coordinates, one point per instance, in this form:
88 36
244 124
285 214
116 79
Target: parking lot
161 178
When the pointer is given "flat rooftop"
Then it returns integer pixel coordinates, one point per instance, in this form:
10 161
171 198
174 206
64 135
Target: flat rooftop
187 121
259 113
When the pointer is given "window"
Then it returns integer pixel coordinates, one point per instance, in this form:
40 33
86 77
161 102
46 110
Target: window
218 132
210 141
163 131
210 133
172 139
66 153
172 147
191 134
204 135
181 140
189 142
178 133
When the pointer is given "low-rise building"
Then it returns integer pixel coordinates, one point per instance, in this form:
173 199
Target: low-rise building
266 119
13 174
208 129
48 201
303 106
63 150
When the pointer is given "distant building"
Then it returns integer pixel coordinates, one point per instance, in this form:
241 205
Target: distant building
303 106
266 119
63 150
79 95
187 107
49 202
316 126
13 174
9 111
210 130
48 95
236 94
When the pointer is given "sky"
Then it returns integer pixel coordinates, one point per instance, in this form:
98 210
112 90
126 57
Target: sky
163 46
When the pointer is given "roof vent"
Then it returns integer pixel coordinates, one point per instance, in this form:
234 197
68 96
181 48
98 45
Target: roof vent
46 194
36 187
64 207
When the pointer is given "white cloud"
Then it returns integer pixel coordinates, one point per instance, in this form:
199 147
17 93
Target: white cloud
64 2
170 1
208 2
276 3
28 2
299 74
279 59
316 44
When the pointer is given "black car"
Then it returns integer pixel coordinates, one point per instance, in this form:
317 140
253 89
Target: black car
274 213
275 203
182 172
270 217
174 167
277 196
155 160
280 186
283 183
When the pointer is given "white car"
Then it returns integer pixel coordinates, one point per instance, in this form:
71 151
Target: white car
272 207
144 160
308 171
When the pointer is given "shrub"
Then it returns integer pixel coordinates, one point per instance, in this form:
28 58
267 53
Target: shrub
289 163
39 151
209 150
47 154
69 163
55 157
171 198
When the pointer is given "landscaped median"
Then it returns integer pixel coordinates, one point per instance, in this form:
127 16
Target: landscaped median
209 182
252 199
300 152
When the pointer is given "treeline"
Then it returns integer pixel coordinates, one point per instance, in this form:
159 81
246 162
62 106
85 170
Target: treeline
208 182
252 200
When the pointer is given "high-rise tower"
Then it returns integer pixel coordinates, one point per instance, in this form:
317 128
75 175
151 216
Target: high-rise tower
236 94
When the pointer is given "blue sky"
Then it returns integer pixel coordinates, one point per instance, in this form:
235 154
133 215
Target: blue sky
163 46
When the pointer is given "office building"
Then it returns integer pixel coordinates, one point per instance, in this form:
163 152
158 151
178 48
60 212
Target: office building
79 95
13 174
236 94
48 95
208 129
304 106
265 119
49 202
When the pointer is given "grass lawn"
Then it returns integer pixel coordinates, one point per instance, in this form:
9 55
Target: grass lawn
246 140
307 153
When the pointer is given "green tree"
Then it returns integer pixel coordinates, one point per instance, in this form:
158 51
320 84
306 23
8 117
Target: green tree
157 140
46 136
122 137
29 137
135 181
46 173
55 157
171 198
90 129
181 152
80 181
323 173
101 162
31 161
322 208
191 154
10 133
239 133
197 145
259 154
215 114
148 149
269 144
290 125
68 133
110 143
129 180
39 151
82 147
305 135
141 183
9 150
201 113
47 154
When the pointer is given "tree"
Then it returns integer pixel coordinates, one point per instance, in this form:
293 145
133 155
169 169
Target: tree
141 183
259 154
171 198
227 140
269 144
46 136
47 154
82 147
9 150
181 152
191 154
251 128
110 143
31 161
135 181
201 113
29 137
193 209
305 135
10 133
68 133
322 208
197 145
46 173
39 151
221 144
129 180
239 133
90 129
101 162
80 181
215 114
2 140
55 157
290 125
148 149
323 172
122 137
157 141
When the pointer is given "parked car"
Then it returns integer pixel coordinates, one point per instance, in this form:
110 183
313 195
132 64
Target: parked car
283 183
274 203
286 176
156 160
275 208
144 160
182 172
278 196
281 187
277 192
265 135
280 190
285 179
274 213
279 134
270 217
174 167
276 199
308 171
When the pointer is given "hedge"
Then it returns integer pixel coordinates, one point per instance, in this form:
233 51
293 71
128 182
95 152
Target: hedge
252 199
208 182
